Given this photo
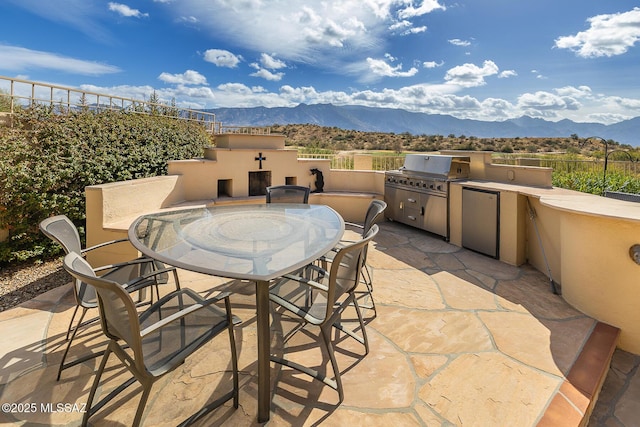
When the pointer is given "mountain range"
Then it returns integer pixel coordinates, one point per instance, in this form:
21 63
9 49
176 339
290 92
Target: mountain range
370 119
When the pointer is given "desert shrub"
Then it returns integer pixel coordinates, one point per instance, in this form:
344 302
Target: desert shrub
592 182
48 159
5 101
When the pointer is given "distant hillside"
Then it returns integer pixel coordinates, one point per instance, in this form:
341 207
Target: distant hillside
400 121
315 138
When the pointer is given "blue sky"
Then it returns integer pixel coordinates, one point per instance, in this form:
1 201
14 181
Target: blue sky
478 59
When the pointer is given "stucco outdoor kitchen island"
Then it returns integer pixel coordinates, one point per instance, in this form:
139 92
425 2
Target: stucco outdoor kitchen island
250 242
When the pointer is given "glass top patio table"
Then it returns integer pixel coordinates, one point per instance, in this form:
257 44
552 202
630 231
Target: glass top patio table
249 242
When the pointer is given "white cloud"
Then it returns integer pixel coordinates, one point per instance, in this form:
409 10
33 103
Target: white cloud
470 75
405 28
271 62
609 35
189 77
325 31
606 118
126 11
432 64
188 19
576 92
381 68
330 34
458 42
400 25
201 92
18 59
266 74
538 74
222 58
267 63
628 103
575 103
125 91
507 74
542 100
417 30
427 6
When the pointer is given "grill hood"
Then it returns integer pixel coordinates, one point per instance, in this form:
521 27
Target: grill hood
437 165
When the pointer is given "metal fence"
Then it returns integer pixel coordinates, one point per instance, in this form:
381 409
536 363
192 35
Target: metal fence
338 161
244 130
346 160
386 163
626 167
392 162
19 93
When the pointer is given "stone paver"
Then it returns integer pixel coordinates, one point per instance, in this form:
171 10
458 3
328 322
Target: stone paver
457 339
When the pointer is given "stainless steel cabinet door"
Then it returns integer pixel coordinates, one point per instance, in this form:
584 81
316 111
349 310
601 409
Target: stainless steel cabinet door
435 213
480 221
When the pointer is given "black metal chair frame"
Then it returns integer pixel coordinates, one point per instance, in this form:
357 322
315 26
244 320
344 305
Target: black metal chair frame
139 339
333 292
140 273
374 212
287 193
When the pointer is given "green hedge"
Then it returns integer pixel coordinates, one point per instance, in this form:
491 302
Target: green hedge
48 159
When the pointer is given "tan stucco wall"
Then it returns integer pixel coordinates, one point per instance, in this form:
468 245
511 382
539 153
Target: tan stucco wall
549 223
201 176
110 207
357 181
482 169
362 162
597 274
240 140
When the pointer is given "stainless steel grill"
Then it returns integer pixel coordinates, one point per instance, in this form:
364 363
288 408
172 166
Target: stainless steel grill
418 193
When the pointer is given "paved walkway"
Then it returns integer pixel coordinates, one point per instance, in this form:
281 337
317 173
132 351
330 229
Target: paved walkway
458 339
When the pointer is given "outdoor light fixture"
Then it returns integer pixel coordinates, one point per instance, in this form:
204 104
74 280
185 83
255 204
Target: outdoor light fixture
607 153
634 253
606 159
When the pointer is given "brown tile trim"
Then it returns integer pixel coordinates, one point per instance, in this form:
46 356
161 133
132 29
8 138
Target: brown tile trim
560 413
573 403
594 359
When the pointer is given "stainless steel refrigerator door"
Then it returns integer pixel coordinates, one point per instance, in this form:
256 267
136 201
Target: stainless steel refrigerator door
480 221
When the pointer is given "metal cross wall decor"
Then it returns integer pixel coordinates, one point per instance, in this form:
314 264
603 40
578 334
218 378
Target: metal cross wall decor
260 158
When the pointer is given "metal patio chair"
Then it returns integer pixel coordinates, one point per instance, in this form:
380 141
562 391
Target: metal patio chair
158 340
333 292
134 275
374 212
288 194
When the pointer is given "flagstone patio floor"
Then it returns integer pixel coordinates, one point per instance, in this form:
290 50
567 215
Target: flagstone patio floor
457 338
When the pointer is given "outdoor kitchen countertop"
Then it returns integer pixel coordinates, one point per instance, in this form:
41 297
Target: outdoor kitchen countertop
563 199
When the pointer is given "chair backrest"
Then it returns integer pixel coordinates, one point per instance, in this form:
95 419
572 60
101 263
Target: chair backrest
376 208
60 229
344 274
118 314
288 194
